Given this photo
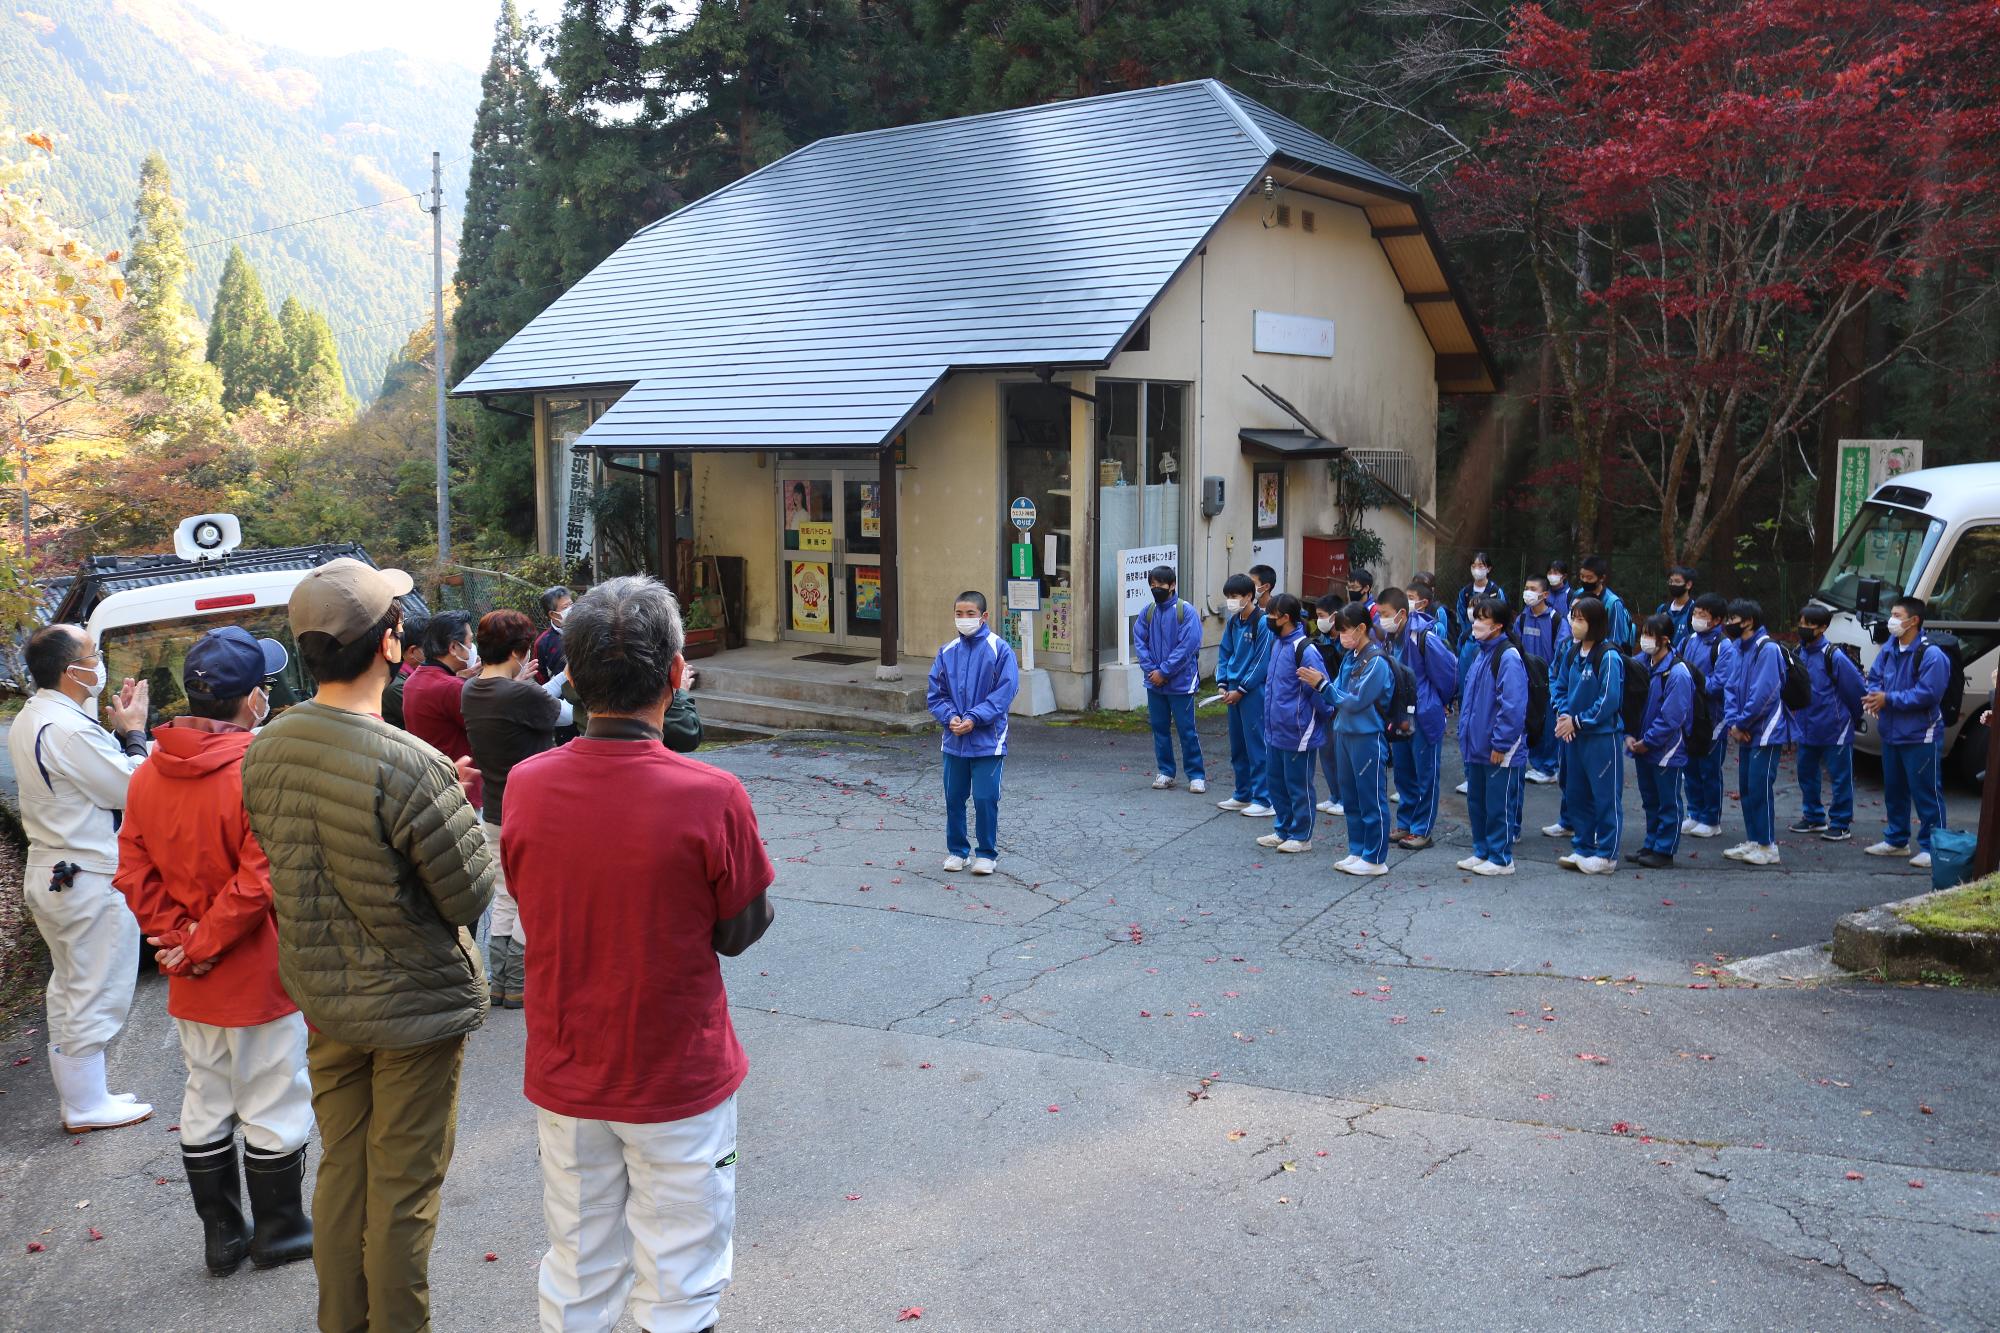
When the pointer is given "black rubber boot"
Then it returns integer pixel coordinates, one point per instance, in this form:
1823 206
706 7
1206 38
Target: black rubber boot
211 1173
284 1232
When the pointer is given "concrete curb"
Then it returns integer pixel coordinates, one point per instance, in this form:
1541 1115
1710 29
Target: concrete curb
1878 939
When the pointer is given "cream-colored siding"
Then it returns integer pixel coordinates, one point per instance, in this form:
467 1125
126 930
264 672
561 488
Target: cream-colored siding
736 513
952 510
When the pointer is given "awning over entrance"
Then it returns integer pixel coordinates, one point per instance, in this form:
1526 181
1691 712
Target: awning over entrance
1288 444
831 407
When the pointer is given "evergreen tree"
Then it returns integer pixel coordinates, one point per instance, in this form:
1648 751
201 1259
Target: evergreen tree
311 381
244 340
487 277
164 335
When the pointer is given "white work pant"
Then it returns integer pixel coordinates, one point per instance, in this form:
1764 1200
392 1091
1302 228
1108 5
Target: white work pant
254 1077
638 1213
93 941
505 921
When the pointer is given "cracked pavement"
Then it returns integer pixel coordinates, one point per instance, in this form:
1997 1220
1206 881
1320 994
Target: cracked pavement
1153 1077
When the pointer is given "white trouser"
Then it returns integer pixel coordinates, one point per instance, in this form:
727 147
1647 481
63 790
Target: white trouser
638 1213
93 941
506 918
255 1077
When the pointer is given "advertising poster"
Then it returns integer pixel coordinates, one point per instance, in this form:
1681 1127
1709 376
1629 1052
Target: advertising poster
1270 500
867 592
1866 464
871 510
812 597
798 505
1055 621
815 536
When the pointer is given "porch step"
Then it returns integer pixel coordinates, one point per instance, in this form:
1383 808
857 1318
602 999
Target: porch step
854 688
730 708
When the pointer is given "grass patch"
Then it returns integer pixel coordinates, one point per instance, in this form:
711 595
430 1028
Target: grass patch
1107 719
1970 908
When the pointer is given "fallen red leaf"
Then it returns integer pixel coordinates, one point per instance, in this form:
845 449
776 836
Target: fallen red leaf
925 1065
852 1197
1320 1153
95 1234
1925 1109
1053 1109
1423 1059
1856 1175
492 1258
35 1247
1620 1127
908 1313
1916 1184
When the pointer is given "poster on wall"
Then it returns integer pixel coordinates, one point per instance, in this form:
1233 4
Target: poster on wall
867 592
1866 464
797 495
1055 620
815 536
871 510
1270 499
812 597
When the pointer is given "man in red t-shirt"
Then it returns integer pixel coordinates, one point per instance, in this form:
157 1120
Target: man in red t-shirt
433 695
631 1057
200 886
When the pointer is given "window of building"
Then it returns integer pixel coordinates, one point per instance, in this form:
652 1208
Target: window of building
1141 444
1037 425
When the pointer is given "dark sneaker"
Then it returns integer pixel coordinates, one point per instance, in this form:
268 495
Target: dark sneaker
1809 826
1838 835
1652 860
1413 842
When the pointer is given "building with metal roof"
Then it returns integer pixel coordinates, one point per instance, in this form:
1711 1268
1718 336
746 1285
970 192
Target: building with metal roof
862 358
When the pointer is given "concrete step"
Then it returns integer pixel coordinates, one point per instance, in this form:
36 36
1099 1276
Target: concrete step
732 709
853 688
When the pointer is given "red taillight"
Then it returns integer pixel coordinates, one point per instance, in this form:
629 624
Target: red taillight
218 603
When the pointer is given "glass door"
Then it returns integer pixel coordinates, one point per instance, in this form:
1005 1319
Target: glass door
830 556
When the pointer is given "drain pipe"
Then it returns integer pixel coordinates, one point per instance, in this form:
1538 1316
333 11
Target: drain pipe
1097 575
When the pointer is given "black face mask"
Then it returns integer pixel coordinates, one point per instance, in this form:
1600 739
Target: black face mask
1732 629
1354 594
1677 590
1589 588
1161 596
1808 634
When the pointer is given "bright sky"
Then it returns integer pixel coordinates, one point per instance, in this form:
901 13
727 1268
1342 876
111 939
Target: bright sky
455 30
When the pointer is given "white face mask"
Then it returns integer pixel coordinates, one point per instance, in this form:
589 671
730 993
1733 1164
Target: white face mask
472 657
1702 624
1896 627
1649 645
94 685
263 709
1483 630
1479 573
1555 580
967 625
1530 597
1390 624
1235 605
1325 624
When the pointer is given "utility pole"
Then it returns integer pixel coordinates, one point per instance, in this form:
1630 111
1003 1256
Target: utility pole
436 210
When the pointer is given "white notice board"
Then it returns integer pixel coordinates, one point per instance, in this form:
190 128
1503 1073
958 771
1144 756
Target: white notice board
1134 565
1291 335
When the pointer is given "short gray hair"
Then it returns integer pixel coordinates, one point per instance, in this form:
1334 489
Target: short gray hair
621 639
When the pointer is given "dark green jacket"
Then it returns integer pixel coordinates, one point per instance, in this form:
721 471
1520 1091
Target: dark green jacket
377 866
682 732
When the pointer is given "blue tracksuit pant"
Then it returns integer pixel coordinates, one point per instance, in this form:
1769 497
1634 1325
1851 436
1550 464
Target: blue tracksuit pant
1543 758
1416 763
1595 793
1171 713
1757 779
1246 749
1910 776
1837 762
1564 816
1704 784
1489 799
1289 781
1329 767
979 779
1661 795
1364 792
1516 797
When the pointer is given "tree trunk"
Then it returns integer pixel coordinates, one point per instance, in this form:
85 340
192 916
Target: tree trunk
1839 419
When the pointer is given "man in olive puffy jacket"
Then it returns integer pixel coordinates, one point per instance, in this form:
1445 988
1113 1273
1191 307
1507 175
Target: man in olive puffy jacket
377 868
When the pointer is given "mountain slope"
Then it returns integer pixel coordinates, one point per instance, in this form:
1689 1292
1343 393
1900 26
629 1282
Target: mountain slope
255 137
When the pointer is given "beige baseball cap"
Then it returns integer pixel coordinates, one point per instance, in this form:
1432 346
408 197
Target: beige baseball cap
345 598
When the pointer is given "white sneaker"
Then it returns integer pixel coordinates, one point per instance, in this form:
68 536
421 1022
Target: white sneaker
1269 840
1345 861
1766 855
1705 831
1596 865
1488 868
1740 851
1921 861
1199 786
1557 831
954 863
1463 788
1330 808
1539 778
1294 845
982 865
1255 811
1366 868
1472 862
1231 804
1570 861
1395 798
1689 826
1161 782
1886 849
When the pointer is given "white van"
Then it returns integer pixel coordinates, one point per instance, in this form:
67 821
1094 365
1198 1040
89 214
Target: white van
1933 534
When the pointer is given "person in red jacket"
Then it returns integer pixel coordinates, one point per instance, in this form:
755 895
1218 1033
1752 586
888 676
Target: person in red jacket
433 695
201 888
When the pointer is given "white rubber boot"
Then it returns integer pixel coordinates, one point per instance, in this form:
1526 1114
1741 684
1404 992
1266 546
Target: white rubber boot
86 1104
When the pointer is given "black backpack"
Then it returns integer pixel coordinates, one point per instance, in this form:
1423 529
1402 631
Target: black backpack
1701 717
1953 702
1399 719
1794 685
1538 691
1638 672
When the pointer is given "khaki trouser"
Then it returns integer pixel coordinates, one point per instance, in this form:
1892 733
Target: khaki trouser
386 1123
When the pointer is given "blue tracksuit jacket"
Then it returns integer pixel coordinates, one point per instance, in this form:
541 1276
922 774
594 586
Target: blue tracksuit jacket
1542 635
1436 671
1245 653
1683 619
1669 710
1914 678
1494 715
1167 639
1464 603
1836 699
974 676
1619 619
1590 689
1294 716
1756 674
1360 692
1558 600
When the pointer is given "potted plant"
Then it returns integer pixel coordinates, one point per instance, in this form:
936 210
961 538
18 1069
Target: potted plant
704 633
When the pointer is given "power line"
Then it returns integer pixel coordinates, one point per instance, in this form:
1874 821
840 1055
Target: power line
299 222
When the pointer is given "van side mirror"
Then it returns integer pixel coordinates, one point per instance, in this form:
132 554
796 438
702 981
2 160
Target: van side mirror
1868 596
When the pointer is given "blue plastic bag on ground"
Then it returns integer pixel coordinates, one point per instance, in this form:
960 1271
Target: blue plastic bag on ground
1951 857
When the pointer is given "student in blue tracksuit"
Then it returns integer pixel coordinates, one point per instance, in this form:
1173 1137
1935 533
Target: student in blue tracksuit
1360 697
1493 737
1595 581
1166 638
1906 688
1415 761
972 685
1542 631
1295 724
1239 674
1482 585
1425 610
1757 722
1326 639
1590 719
1559 589
1824 729
1680 600
1659 751
1361 588
1703 650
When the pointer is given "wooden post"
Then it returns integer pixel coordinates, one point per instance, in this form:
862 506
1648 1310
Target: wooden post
891 667
1986 859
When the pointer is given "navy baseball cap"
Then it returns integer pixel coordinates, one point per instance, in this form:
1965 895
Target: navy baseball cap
229 662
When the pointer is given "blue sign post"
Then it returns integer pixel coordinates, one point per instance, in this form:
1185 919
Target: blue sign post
1022 511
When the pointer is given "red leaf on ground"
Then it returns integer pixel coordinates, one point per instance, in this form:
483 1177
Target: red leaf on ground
1545 1096
1053 1109
492 1258
1666 902
1145 1013
1925 1109
852 1197
908 1313
23 1060
1620 1127
95 1234
1856 1175
1423 1059
1320 1153
36 1247
1916 1184
925 1065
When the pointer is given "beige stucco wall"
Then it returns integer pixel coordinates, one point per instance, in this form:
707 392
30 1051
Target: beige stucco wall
736 513
951 510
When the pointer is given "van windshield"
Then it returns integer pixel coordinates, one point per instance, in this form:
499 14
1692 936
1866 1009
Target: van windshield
154 653
1884 543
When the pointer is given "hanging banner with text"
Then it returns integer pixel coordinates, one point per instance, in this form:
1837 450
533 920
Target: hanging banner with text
1864 465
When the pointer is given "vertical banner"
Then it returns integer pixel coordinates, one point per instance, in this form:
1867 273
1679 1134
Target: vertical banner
1864 465
575 528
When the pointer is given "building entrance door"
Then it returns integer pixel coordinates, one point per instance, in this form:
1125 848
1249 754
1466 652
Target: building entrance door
830 550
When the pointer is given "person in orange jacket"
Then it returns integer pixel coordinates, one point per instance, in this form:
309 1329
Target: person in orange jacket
201 888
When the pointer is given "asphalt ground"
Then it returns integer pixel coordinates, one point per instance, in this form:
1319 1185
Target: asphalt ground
1153 1077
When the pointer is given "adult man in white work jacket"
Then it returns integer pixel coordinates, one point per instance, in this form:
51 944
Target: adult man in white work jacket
72 774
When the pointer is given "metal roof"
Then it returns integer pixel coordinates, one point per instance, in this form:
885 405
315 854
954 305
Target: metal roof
1288 445
817 302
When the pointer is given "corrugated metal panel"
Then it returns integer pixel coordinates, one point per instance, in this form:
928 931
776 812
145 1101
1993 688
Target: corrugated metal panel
1295 140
